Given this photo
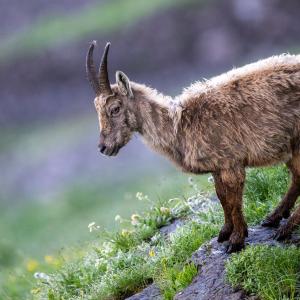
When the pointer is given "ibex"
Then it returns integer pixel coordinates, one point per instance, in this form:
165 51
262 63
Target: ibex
248 117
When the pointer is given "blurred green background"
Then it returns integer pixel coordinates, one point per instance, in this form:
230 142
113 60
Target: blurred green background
53 182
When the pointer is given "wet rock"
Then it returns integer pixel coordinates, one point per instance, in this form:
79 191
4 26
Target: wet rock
166 230
210 283
151 292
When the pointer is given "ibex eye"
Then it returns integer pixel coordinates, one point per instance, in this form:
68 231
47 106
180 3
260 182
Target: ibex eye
114 111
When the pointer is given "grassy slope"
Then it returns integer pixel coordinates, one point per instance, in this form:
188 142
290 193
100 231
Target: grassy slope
119 264
133 257
21 279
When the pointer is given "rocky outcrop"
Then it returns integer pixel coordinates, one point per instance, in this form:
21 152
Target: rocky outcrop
151 292
210 282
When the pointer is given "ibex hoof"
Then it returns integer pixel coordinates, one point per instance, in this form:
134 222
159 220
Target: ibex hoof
271 222
232 248
282 233
224 234
286 214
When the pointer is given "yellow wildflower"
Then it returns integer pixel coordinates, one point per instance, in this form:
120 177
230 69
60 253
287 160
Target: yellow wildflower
35 291
49 259
125 232
165 210
151 253
31 265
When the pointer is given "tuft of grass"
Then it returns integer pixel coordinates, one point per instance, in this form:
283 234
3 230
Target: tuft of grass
264 189
270 272
176 278
172 273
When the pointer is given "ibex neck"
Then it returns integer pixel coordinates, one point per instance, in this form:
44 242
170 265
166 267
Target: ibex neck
155 121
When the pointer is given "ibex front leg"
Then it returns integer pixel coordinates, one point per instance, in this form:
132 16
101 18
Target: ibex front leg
227 228
232 183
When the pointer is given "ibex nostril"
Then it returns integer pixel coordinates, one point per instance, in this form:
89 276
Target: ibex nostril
102 148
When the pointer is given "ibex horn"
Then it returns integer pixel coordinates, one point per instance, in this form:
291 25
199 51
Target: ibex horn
91 71
100 83
103 73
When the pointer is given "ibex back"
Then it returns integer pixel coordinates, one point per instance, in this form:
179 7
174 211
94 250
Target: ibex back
247 117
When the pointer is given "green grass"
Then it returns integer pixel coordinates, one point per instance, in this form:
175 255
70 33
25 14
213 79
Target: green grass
127 272
128 260
100 19
264 189
118 263
63 221
269 272
272 273
176 278
173 272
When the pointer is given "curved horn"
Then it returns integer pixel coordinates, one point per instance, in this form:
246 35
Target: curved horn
103 74
91 71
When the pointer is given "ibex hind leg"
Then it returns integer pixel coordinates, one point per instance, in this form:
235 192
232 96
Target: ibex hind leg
288 202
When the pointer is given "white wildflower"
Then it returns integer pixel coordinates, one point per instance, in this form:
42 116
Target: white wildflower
40 275
118 218
93 226
174 199
140 196
210 179
135 219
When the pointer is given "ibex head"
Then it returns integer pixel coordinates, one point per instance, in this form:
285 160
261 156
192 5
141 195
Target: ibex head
112 103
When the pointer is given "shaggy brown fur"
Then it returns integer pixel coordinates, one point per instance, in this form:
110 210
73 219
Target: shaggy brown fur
247 117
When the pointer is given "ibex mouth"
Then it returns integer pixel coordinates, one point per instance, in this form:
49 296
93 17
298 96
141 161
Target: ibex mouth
113 151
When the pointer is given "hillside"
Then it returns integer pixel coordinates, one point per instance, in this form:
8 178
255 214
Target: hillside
160 249
53 182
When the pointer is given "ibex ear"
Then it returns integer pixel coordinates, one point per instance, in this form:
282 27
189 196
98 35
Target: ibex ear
124 84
